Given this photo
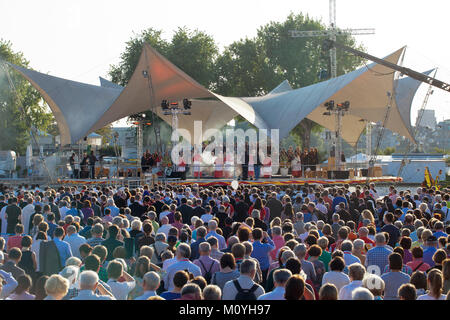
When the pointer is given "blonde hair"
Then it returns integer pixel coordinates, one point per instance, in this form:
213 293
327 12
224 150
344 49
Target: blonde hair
73 261
366 214
56 285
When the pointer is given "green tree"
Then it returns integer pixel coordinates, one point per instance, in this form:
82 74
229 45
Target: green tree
15 126
255 66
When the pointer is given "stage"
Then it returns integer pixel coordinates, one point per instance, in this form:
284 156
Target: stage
209 182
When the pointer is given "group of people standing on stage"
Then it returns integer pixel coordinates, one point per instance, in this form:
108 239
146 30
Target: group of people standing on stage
85 168
298 160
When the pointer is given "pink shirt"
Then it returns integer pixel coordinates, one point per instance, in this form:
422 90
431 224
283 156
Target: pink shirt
415 263
14 242
279 242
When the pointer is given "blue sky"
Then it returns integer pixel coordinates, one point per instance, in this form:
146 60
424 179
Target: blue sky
79 40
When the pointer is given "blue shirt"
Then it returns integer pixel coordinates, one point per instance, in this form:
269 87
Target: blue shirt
378 256
428 253
64 250
220 239
170 295
439 234
338 200
261 252
51 229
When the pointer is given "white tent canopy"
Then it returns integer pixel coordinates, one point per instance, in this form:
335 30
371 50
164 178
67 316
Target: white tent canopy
81 108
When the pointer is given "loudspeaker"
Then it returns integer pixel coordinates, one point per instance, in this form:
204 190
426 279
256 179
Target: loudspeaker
338 174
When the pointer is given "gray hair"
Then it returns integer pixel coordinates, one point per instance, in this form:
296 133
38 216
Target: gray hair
248 266
212 292
280 276
88 279
255 213
286 255
362 294
136 224
300 250
97 229
335 217
152 280
185 250
380 238
117 221
358 244
204 247
347 245
212 224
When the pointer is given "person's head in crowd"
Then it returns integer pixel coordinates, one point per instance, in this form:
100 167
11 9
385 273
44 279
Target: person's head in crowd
200 281
435 283
300 251
419 280
151 281
142 266
337 264
238 250
227 262
439 256
362 294
356 272
88 280
183 251
115 270
280 277
407 291
201 233
39 288
191 291
328 291
294 265
56 287
212 292
248 268
15 255
24 283
180 279
101 251
294 288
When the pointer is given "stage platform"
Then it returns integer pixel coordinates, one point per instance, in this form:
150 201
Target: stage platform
205 182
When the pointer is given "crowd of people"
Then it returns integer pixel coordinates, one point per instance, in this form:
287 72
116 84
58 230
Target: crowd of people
169 242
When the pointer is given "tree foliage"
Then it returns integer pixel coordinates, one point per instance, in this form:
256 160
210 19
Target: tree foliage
15 126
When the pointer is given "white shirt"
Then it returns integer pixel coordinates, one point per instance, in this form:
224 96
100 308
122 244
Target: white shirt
428 297
75 241
63 212
339 279
275 294
146 295
26 214
3 218
89 295
167 263
184 264
165 229
120 290
346 291
36 245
